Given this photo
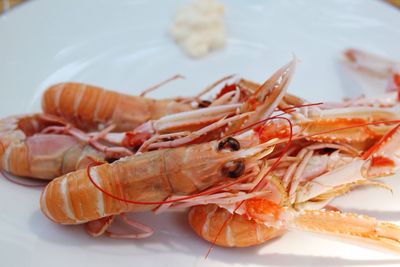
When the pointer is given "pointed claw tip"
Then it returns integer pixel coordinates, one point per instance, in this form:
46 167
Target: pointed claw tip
290 67
295 59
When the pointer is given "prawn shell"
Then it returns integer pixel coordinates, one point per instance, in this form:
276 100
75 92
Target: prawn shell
207 221
149 177
92 108
25 151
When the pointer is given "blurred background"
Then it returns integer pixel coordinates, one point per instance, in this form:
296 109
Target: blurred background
8 4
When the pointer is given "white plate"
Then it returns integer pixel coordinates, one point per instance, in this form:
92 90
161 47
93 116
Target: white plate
124 45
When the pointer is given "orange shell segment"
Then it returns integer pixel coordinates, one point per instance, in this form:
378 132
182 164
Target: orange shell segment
258 208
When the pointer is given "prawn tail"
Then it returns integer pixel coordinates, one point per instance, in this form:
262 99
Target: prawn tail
84 105
73 199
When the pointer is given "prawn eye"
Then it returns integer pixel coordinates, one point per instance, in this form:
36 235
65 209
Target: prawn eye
233 169
230 143
204 103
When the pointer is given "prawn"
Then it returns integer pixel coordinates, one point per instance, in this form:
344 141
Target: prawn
25 151
203 124
149 178
250 219
94 108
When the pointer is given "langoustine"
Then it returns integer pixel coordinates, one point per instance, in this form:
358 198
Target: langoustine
140 119
294 196
25 151
190 126
137 125
148 177
91 107
299 203
94 108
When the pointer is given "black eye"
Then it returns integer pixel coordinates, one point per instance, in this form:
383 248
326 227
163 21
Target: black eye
204 103
230 143
110 160
233 169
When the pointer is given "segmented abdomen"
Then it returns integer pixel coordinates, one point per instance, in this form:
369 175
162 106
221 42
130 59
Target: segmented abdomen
207 221
26 152
92 108
47 156
151 176
73 198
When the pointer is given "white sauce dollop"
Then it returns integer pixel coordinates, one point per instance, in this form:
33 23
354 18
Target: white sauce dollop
199 27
